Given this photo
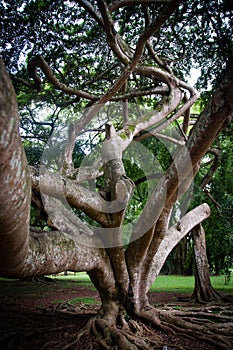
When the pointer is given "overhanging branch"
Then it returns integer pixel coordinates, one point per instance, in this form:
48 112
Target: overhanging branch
174 235
38 61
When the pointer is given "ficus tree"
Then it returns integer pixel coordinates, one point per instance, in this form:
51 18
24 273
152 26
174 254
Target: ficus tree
115 69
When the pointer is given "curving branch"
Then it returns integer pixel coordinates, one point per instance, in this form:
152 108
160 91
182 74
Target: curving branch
165 108
107 20
76 196
91 10
15 189
38 61
24 253
115 41
160 62
157 90
185 164
173 237
165 13
176 115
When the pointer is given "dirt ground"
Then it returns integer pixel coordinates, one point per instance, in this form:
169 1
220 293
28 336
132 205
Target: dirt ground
40 314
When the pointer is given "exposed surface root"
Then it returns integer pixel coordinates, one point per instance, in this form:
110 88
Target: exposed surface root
210 324
30 320
113 337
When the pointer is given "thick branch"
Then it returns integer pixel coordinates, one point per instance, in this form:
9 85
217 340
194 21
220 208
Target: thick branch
14 182
117 189
78 197
213 119
107 20
115 41
45 252
173 237
54 252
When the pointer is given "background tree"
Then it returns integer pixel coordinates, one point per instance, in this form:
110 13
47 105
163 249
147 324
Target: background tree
82 57
219 226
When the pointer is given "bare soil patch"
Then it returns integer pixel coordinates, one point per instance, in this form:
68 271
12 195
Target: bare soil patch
42 315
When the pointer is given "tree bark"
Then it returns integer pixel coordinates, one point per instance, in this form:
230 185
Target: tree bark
24 253
15 188
217 114
203 290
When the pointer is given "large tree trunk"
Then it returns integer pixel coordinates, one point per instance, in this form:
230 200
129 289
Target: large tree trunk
15 188
203 290
24 253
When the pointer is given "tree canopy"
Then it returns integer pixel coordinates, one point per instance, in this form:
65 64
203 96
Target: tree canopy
71 37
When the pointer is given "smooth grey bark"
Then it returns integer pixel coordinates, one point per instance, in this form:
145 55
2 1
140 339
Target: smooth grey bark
173 236
203 290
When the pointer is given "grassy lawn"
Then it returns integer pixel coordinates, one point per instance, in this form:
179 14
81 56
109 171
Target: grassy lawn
172 283
185 284
163 283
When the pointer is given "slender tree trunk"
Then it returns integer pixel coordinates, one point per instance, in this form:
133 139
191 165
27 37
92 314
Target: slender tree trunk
203 291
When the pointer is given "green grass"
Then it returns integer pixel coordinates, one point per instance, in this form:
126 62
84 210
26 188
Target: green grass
185 284
218 283
172 283
163 283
